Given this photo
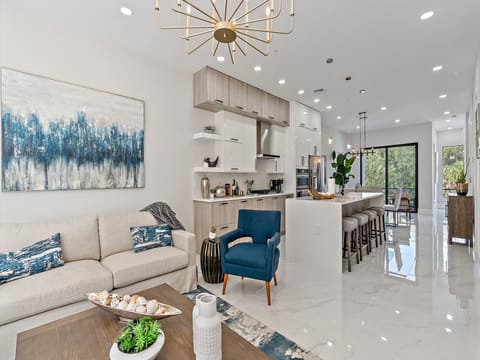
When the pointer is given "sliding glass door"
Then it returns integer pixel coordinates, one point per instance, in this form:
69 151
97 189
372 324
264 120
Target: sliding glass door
393 167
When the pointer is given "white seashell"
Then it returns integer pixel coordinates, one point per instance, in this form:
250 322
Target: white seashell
103 295
131 307
141 301
122 305
134 298
115 300
127 298
141 309
161 310
152 306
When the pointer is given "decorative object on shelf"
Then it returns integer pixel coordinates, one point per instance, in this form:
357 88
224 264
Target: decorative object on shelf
205 187
331 185
227 24
342 163
462 185
59 136
140 340
211 163
210 261
362 137
207 342
220 192
133 307
320 195
249 184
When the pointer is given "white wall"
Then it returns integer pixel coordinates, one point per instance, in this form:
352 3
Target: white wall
339 145
445 138
30 45
421 134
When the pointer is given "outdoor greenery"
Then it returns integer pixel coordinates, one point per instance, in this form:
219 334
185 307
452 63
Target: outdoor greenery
452 166
138 335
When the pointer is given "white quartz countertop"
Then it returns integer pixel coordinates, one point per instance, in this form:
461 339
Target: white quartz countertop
233 198
348 198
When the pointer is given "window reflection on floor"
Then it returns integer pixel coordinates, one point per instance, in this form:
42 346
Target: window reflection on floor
401 252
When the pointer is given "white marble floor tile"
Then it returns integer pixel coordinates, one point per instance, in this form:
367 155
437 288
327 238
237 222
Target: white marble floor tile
414 298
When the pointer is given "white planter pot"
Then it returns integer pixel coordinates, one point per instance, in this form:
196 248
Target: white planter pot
148 354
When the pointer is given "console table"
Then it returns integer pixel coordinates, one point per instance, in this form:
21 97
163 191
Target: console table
460 218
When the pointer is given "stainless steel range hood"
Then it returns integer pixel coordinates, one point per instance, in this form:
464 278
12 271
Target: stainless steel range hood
264 141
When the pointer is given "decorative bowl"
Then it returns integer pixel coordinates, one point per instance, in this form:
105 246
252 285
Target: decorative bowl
149 353
321 196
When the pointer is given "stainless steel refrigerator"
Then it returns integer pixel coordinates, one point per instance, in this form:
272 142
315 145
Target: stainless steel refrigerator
317 173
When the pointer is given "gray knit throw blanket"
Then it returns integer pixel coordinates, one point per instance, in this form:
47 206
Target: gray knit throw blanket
164 214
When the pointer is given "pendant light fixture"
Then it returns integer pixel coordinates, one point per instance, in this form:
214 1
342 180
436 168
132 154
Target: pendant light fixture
362 117
237 23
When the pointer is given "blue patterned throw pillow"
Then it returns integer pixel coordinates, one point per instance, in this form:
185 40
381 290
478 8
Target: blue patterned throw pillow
149 237
41 256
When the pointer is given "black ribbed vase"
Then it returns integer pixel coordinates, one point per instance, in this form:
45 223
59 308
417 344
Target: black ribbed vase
210 261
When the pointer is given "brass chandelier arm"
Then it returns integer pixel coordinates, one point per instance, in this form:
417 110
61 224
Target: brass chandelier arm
185 27
238 46
268 31
238 7
226 6
254 37
200 10
215 8
253 46
273 17
230 52
197 34
216 48
251 10
193 16
198 46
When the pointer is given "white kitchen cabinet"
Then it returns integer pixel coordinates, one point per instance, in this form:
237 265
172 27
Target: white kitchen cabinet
277 166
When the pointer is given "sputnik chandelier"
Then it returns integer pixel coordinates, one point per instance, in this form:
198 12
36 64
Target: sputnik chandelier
229 22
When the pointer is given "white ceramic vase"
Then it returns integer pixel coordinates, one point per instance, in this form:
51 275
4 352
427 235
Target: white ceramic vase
208 330
195 312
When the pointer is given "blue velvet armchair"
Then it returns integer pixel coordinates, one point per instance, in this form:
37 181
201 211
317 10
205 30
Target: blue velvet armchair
256 260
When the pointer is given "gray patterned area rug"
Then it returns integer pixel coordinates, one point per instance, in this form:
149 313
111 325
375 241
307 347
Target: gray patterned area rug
275 345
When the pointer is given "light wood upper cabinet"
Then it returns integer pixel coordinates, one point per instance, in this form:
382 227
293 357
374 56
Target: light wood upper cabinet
284 112
254 101
238 95
270 107
210 89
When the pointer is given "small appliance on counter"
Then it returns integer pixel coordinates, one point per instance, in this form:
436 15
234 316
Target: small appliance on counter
276 185
249 186
205 187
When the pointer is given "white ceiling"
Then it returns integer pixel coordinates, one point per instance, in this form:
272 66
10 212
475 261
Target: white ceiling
382 44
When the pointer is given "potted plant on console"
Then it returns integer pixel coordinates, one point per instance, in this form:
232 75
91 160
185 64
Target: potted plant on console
462 185
140 340
342 163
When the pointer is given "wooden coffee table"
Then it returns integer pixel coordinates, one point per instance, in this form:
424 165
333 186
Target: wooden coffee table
91 333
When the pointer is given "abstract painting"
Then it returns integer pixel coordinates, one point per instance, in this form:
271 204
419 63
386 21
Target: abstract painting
59 136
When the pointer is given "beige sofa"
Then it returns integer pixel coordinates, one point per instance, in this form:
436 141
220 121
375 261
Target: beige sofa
98 254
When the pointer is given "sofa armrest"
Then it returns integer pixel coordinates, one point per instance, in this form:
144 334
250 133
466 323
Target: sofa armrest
185 241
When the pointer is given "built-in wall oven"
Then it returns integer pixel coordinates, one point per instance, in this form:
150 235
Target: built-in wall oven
302 182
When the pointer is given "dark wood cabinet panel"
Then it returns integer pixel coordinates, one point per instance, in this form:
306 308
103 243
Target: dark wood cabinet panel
460 218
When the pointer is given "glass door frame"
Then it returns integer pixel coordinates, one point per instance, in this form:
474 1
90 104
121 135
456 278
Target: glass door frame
386 147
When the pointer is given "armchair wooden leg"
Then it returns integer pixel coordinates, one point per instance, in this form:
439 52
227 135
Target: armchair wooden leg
267 288
225 279
275 279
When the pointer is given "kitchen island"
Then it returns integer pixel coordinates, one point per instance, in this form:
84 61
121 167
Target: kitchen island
314 228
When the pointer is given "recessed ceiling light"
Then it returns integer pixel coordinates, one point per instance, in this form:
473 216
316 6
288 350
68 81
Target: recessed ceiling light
257 68
446 113
449 128
281 81
448 330
339 117
329 107
305 113
363 91
426 15
397 121
126 11
383 338
220 59
358 126
316 100
301 92
449 317
448 120
437 68
443 96
383 108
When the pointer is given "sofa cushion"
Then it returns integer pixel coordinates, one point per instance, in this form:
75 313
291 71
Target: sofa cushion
129 267
47 290
114 230
150 237
79 237
36 258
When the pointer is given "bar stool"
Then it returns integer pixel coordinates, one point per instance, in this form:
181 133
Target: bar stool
372 225
381 222
350 226
363 232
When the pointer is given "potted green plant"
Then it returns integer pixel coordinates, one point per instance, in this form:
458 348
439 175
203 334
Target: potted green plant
462 185
342 163
140 340
213 233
